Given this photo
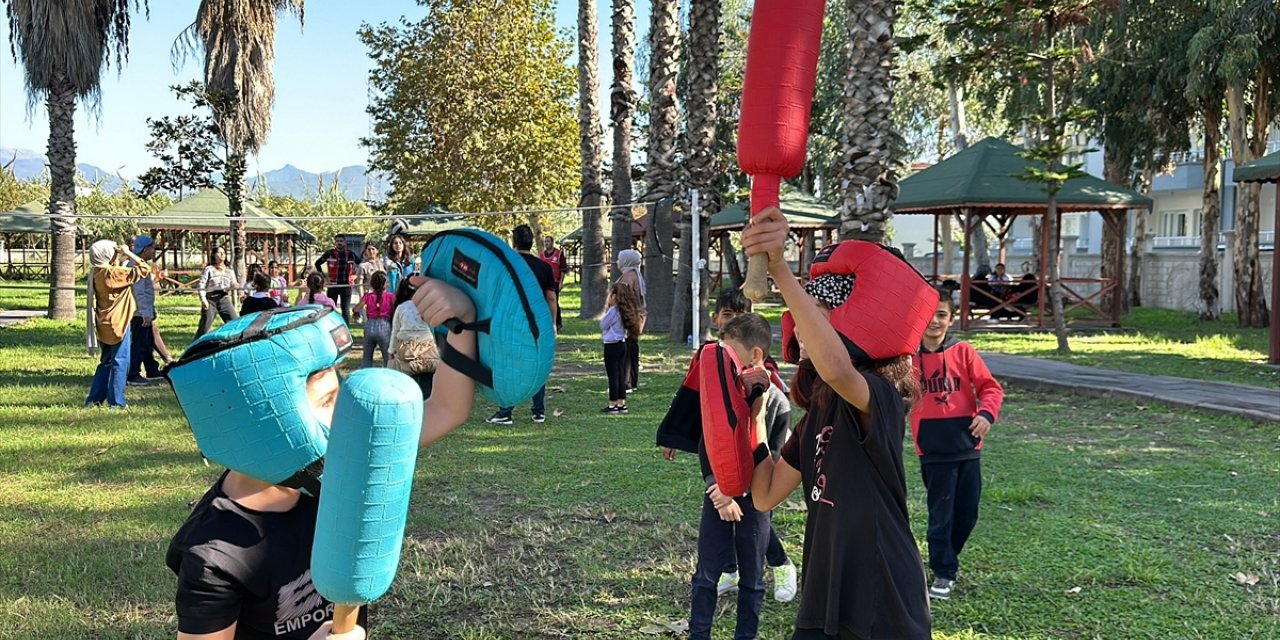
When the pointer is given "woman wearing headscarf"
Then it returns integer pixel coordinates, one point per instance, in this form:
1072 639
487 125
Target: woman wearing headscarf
110 309
629 265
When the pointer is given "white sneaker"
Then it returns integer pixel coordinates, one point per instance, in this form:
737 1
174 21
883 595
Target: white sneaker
728 583
941 588
784 582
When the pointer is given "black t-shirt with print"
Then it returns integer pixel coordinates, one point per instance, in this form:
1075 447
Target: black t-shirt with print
862 569
253 568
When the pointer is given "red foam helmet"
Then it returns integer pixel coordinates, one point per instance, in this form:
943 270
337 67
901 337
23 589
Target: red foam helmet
888 311
728 431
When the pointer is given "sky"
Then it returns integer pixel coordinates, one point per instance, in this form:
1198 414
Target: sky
321 71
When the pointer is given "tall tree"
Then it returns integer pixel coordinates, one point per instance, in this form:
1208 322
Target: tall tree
1245 34
64 46
185 147
473 109
239 43
594 280
702 165
622 102
867 139
661 180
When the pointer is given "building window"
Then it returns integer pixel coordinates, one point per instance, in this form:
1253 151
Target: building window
1174 223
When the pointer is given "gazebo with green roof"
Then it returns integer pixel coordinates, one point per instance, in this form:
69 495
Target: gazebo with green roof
981 185
28 221
807 217
205 214
1267 169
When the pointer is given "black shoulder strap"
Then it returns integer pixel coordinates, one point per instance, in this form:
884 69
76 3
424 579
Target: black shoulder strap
465 365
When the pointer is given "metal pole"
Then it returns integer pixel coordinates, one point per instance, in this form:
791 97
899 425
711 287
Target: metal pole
695 273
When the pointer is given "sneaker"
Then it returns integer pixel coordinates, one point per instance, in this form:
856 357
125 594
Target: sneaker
941 588
622 409
728 583
137 382
609 409
784 582
539 418
498 418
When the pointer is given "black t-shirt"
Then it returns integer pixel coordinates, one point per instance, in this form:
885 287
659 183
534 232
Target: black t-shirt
253 568
542 271
862 570
254 305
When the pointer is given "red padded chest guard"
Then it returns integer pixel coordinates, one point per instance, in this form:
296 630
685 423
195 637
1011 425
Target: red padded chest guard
888 311
728 431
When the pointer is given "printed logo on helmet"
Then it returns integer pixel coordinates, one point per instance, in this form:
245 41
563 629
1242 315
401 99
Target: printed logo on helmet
466 268
341 338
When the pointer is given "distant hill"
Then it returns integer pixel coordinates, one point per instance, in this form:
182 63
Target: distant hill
354 181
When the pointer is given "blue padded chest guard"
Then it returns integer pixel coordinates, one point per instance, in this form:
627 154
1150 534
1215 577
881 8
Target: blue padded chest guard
515 341
243 388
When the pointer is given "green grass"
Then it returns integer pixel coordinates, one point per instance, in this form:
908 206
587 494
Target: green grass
1153 341
577 529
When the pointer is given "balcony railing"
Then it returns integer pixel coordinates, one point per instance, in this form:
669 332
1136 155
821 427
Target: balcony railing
1266 239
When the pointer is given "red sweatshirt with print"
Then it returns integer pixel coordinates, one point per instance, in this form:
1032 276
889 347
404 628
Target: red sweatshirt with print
955 386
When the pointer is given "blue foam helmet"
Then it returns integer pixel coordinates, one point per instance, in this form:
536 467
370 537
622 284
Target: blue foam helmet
515 338
243 388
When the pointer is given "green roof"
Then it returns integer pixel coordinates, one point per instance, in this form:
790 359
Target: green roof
802 211
206 212
986 175
1264 169
31 217
437 222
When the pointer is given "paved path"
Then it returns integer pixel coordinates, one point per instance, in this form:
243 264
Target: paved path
1257 403
13 317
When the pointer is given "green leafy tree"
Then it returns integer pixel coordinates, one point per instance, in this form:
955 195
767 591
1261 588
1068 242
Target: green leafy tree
64 46
474 109
185 147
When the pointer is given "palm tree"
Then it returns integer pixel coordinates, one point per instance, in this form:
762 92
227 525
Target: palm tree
867 134
239 42
661 181
64 46
701 164
622 106
594 283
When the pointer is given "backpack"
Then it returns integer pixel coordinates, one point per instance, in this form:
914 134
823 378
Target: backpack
515 339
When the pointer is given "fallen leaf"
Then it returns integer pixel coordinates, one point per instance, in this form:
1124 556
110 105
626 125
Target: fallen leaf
558 412
1234 474
677 627
1141 408
556 389
1247 579
101 451
1073 590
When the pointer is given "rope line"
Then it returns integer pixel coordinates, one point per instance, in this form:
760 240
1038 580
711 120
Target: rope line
385 217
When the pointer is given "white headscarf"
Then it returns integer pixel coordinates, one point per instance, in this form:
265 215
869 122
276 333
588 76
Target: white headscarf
101 254
629 260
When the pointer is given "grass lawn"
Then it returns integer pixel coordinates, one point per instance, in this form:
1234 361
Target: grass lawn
1101 519
1154 341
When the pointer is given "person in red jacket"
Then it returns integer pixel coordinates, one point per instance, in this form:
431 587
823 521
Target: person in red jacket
959 402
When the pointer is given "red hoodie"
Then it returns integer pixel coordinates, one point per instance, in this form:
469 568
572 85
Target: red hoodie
955 386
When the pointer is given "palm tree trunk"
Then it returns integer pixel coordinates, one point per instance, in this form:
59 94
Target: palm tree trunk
594 282
1210 214
622 103
700 153
661 182
867 134
1251 303
61 104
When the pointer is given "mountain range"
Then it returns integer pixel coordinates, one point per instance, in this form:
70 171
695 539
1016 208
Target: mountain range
355 182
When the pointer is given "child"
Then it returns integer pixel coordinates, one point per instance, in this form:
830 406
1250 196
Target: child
279 285
260 299
730 304
315 283
377 303
243 556
863 577
413 342
731 528
621 319
960 401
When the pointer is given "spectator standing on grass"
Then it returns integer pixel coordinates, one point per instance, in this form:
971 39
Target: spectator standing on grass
960 399
400 262
110 310
142 338
339 264
629 264
312 294
377 305
279 285
555 259
217 284
522 240
621 317
371 264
